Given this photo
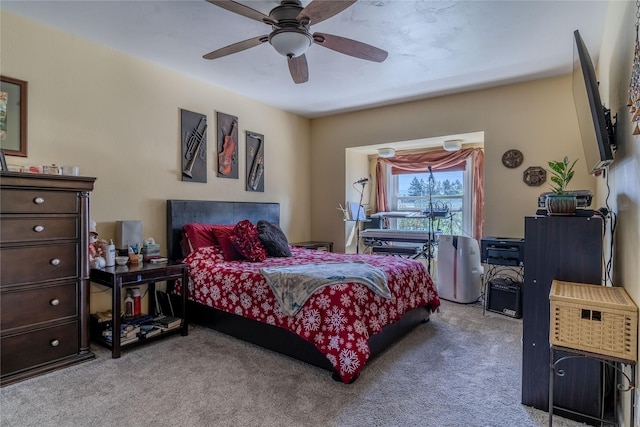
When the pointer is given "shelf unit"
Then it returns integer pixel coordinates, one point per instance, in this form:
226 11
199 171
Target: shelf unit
119 277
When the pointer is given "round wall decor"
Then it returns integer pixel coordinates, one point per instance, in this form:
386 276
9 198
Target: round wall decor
512 158
534 176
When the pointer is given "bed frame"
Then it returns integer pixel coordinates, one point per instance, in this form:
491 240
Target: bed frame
180 212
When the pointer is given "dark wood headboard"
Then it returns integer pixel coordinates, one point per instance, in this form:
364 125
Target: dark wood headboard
181 212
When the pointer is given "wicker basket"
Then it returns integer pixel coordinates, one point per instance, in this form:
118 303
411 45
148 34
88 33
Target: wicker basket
593 318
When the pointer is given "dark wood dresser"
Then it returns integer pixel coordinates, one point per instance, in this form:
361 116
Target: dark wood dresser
44 273
567 248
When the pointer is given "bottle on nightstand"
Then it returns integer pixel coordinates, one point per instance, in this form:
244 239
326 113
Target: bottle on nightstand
128 305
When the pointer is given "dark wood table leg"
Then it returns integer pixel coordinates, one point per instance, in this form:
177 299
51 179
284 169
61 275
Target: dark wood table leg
115 330
185 289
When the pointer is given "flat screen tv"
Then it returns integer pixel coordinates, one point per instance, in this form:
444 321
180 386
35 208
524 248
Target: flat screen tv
594 119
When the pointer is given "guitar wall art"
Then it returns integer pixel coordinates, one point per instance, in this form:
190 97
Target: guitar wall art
227 146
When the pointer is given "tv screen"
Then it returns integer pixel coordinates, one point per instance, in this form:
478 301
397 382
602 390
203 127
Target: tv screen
592 116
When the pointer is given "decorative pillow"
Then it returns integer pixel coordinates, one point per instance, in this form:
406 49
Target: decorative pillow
224 234
198 235
246 241
273 239
184 245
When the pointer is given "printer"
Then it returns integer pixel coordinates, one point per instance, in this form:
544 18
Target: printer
502 251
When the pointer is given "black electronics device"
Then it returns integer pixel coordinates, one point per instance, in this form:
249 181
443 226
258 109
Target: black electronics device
584 198
505 297
579 212
502 251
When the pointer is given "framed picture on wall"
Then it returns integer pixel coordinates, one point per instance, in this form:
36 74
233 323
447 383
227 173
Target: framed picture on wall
227 146
255 161
13 116
194 146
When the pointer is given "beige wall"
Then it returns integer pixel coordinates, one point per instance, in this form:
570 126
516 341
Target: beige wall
614 72
538 118
614 69
118 118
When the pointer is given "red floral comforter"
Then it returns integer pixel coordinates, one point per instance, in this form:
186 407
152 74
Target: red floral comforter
337 319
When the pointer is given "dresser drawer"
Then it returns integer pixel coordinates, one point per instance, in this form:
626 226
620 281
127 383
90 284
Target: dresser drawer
19 308
34 229
34 348
35 264
38 201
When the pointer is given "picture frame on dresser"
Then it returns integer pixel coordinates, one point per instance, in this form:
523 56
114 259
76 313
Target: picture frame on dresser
3 161
13 116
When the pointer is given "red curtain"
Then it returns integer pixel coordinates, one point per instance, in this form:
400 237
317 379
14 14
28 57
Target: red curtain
439 161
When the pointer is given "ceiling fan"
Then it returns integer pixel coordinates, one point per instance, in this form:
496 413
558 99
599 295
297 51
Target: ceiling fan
290 35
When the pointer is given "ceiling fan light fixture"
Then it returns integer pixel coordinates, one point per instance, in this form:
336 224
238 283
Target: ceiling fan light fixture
452 144
386 152
290 43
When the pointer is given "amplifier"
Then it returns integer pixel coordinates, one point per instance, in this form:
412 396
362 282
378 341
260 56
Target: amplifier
504 296
502 251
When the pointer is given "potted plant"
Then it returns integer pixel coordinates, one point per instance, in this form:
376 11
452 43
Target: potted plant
561 203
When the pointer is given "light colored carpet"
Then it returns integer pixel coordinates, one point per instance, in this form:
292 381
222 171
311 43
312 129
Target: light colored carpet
459 369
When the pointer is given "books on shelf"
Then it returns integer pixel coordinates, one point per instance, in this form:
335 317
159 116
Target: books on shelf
123 340
148 331
167 322
130 331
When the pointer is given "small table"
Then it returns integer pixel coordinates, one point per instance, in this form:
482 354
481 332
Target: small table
317 245
119 277
613 362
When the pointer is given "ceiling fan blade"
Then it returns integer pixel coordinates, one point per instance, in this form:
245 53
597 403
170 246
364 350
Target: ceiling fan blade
299 69
243 10
319 10
350 47
236 47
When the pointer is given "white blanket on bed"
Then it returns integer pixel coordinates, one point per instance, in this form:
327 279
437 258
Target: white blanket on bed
292 286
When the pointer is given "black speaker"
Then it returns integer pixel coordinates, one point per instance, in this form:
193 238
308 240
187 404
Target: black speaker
505 297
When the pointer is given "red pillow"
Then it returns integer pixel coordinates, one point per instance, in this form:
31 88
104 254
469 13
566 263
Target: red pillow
246 240
223 234
199 235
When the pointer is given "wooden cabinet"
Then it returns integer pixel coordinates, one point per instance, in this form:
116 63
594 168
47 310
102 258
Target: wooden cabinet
44 280
568 249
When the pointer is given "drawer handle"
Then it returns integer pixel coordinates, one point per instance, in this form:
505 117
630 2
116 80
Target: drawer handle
55 261
38 228
38 200
54 301
54 343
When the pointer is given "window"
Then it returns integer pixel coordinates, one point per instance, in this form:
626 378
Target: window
450 197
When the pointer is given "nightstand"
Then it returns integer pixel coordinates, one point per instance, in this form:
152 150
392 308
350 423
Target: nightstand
319 246
119 277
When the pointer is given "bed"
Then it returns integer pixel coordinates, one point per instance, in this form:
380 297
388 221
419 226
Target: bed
339 328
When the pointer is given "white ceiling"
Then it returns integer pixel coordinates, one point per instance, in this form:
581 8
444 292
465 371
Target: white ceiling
435 47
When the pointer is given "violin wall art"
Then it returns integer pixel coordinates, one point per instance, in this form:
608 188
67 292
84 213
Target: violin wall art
194 146
255 161
227 146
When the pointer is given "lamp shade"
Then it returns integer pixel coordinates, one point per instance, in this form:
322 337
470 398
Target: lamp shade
386 152
290 43
452 144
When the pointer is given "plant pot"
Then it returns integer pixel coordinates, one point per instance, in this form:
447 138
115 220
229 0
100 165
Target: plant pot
561 204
